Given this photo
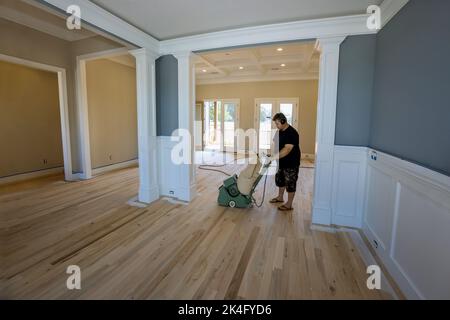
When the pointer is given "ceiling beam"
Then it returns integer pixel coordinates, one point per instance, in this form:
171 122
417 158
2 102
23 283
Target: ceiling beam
283 59
256 78
256 58
234 63
281 32
211 65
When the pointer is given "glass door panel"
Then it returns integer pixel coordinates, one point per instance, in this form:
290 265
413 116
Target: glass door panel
221 121
265 110
288 110
289 107
265 125
229 125
212 125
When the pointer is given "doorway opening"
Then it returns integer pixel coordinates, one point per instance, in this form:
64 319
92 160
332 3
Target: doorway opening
108 110
261 81
37 101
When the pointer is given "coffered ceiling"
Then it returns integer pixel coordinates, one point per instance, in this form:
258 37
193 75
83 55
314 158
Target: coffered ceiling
292 61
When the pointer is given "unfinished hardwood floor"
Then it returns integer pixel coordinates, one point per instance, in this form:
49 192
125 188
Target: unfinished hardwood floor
166 250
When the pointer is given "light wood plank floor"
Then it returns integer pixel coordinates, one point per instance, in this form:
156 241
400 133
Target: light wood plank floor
169 251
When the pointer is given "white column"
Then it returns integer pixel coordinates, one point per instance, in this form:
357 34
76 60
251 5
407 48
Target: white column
146 112
186 111
326 115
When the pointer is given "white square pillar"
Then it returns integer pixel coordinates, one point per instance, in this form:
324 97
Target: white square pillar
326 115
186 111
146 113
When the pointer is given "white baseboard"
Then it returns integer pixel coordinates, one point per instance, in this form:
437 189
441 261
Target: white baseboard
115 166
31 175
370 260
403 283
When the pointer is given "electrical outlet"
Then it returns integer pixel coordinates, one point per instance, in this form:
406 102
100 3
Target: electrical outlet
45 161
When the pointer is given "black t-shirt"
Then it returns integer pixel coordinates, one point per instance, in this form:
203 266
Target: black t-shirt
289 136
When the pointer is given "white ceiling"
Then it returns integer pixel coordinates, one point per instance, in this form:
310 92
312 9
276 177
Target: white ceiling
291 61
167 19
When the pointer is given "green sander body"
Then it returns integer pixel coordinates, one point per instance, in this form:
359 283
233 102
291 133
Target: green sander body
230 196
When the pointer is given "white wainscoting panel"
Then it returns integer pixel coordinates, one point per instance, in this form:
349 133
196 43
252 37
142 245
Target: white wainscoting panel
172 177
168 172
380 205
349 181
407 221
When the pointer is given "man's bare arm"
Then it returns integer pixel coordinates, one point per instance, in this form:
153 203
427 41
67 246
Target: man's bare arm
283 152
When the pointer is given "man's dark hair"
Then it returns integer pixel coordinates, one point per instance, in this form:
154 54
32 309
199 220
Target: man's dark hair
280 117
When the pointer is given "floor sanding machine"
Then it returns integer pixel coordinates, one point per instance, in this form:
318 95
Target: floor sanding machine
237 191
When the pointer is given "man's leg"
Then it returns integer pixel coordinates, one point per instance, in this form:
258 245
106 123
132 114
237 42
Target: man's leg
291 196
291 176
281 193
281 184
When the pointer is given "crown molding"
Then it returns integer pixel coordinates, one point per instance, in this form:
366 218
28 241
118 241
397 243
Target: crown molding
298 30
290 31
272 33
389 8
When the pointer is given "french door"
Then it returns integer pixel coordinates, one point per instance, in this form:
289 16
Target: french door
264 112
221 119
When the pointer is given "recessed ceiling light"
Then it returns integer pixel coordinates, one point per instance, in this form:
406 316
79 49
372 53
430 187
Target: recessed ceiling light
204 70
280 49
241 68
283 65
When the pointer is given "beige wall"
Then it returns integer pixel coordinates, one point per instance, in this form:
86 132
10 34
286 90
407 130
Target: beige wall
26 43
111 90
305 90
30 129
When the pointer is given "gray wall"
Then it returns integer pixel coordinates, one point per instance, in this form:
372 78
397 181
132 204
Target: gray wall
411 104
354 101
166 74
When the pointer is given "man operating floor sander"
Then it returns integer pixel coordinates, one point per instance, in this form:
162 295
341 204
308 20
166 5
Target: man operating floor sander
238 191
